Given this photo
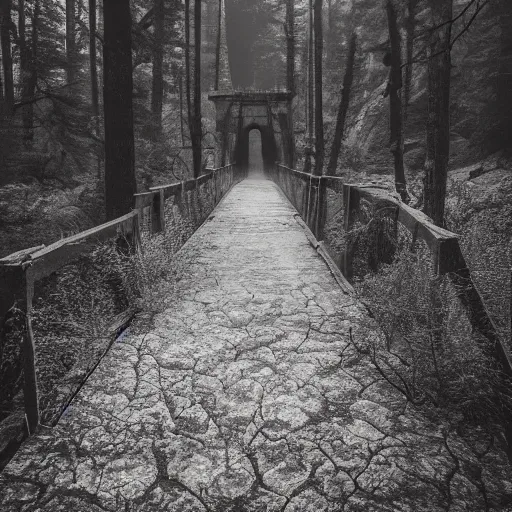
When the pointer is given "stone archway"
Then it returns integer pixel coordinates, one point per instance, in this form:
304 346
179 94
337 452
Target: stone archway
268 146
240 112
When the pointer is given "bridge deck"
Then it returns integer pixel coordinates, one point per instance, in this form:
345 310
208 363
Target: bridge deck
246 395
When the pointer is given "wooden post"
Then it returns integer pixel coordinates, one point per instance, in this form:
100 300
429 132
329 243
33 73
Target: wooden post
351 201
313 204
322 208
30 388
136 233
305 202
157 212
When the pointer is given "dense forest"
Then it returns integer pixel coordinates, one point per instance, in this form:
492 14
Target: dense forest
98 100
101 100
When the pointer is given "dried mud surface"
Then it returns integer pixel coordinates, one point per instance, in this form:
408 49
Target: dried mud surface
246 395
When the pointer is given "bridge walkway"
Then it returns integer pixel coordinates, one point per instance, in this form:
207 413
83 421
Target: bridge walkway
245 394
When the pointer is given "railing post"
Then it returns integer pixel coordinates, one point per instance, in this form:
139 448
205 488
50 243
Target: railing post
307 190
322 208
30 387
351 201
158 212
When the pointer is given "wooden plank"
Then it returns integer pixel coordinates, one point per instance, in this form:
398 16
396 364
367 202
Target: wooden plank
157 212
452 262
20 256
30 385
322 209
414 220
55 256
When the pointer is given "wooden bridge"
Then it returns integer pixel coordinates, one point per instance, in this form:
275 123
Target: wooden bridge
248 386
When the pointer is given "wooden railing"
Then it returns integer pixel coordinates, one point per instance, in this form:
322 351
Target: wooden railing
152 204
309 196
19 272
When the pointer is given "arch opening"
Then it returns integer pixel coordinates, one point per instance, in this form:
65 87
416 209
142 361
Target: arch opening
255 164
268 146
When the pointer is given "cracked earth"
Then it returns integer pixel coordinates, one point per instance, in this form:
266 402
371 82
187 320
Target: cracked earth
245 394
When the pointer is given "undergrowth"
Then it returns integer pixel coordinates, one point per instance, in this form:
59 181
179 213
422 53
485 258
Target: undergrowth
428 351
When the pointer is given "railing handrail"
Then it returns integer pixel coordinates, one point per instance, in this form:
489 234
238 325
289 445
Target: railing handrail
20 271
443 244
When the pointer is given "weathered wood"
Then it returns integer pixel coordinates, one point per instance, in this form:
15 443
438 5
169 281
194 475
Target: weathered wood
322 209
444 246
18 257
30 386
55 256
158 213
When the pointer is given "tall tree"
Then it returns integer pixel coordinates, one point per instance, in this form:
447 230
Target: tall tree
290 77
310 99
120 184
93 63
395 100
157 90
28 67
198 129
319 115
5 42
188 70
344 104
410 24
218 46
93 60
505 73
22 42
71 46
438 122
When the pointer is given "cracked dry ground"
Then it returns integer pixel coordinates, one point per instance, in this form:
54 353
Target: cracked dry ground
245 395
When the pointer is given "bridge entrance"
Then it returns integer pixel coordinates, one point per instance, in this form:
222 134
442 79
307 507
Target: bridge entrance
240 113
255 151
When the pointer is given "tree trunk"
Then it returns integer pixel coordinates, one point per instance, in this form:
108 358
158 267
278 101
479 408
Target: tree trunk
24 59
343 108
120 184
217 47
71 56
505 74
290 78
28 65
438 123
182 128
197 137
410 25
395 102
5 37
157 90
310 110
188 73
93 63
319 115
330 34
